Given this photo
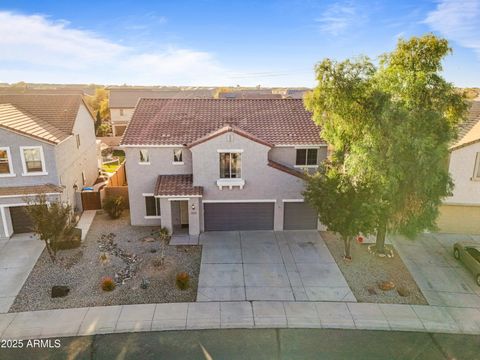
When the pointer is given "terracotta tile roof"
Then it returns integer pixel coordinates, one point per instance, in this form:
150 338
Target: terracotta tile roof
184 121
177 185
286 169
13 118
29 190
469 131
59 111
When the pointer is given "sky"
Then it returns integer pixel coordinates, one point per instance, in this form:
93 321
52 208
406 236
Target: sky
221 43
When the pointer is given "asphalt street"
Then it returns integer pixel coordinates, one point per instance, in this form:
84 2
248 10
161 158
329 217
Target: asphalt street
258 344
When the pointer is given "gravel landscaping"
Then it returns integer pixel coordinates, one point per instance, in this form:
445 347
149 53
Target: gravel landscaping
366 271
112 247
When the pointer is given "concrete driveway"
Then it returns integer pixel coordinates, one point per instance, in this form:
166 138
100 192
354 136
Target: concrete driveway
18 256
267 265
442 279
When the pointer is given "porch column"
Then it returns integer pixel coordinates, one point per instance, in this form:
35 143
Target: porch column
194 216
166 214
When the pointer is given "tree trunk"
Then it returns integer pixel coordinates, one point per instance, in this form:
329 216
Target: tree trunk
347 241
380 240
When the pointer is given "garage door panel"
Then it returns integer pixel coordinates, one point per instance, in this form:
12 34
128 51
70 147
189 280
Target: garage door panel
21 221
238 216
299 216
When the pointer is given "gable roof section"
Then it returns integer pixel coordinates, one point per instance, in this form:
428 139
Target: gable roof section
185 121
225 130
60 111
6 191
469 132
14 119
177 185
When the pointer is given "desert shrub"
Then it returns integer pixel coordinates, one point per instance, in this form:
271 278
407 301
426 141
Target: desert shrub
108 284
114 206
183 280
157 262
72 241
164 234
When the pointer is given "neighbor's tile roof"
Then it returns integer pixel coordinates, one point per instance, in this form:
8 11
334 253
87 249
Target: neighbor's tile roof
30 190
60 111
184 121
172 185
128 98
470 130
13 118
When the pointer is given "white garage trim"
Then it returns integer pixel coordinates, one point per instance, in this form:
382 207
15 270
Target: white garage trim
240 201
293 200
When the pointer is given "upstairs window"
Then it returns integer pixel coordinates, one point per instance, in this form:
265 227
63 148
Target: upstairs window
177 156
306 157
230 165
32 157
5 162
152 206
144 158
476 170
121 112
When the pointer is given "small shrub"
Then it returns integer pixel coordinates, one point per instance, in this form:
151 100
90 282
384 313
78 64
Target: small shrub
183 280
157 262
108 284
164 234
114 206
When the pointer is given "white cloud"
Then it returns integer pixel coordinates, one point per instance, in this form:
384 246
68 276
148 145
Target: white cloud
338 17
47 49
458 21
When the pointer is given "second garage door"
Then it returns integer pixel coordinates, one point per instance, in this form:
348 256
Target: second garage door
21 221
299 216
238 216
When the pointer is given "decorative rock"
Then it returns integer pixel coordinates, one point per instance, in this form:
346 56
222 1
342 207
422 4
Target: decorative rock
145 283
371 291
386 285
60 291
403 292
148 239
153 251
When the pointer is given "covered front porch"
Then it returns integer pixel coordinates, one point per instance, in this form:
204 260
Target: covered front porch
179 203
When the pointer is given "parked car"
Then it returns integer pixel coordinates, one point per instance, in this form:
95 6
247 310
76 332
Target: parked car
469 254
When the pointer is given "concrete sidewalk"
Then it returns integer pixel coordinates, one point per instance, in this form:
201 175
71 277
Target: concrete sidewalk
257 314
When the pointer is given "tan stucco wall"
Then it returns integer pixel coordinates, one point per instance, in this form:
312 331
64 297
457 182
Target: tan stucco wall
461 167
117 118
459 219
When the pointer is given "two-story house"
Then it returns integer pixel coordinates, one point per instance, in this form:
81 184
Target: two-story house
217 164
460 213
47 146
123 99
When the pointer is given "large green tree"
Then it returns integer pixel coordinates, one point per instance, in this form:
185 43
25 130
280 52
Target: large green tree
390 126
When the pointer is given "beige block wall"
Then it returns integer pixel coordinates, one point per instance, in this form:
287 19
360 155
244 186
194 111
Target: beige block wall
459 219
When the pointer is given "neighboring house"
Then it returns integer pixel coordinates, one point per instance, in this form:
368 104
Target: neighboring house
460 212
123 99
206 165
47 146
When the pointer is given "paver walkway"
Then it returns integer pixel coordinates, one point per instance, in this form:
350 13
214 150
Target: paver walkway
443 280
18 256
256 314
267 265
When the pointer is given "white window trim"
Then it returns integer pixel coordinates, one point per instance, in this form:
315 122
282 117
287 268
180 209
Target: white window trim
10 162
143 162
145 195
241 201
476 168
230 150
24 164
231 181
306 157
177 162
293 200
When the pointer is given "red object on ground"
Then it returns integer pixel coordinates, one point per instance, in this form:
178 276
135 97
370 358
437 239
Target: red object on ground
360 239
